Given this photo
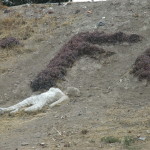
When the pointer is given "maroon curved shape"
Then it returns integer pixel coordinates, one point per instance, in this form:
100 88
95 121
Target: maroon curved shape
79 45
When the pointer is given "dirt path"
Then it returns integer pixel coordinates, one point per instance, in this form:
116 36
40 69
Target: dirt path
112 102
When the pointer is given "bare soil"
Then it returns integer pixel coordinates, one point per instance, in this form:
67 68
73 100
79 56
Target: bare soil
112 101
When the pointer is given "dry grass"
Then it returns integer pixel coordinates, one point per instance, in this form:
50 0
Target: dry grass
110 130
70 20
2 70
15 26
24 28
2 6
9 52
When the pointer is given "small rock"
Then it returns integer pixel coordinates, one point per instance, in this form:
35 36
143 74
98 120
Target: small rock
77 11
138 135
90 95
100 24
148 131
79 114
89 12
24 144
50 12
67 145
72 91
135 15
43 145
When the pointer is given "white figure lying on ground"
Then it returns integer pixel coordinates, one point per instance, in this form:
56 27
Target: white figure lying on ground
35 103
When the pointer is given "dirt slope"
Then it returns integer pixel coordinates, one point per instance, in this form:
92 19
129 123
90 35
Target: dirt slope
112 102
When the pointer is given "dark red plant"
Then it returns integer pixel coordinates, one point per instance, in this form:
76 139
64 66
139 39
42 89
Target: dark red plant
8 42
141 67
79 45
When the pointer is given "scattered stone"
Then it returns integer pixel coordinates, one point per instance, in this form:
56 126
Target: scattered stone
50 12
148 131
67 145
79 114
138 135
129 131
43 145
24 144
72 91
89 12
135 15
90 95
77 11
100 24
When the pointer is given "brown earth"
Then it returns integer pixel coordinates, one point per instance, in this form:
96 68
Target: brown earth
112 102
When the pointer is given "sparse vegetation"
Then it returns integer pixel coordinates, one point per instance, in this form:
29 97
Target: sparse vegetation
110 104
16 26
79 45
128 140
110 139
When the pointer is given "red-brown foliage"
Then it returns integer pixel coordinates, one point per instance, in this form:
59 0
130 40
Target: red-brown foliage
8 42
141 67
79 45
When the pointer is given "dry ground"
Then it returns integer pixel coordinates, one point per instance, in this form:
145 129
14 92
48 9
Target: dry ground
112 102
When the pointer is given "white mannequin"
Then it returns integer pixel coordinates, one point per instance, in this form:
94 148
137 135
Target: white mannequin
35 103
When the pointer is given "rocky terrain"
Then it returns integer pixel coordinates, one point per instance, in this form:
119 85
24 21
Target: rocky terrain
113 110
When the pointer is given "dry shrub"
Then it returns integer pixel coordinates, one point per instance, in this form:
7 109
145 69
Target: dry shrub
8 42
79 45
141 67
2 6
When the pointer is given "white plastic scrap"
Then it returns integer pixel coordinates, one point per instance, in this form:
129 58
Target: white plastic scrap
142 138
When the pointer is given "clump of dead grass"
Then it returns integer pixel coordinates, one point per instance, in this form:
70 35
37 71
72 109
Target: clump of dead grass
15 25
141 67
79 45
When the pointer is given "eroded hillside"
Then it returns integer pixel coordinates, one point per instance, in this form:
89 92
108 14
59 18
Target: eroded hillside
113 110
